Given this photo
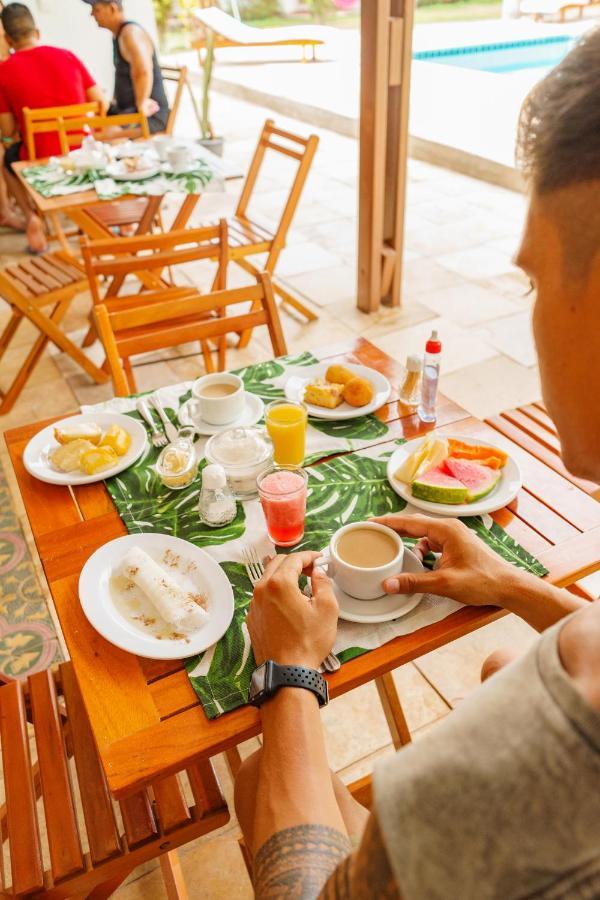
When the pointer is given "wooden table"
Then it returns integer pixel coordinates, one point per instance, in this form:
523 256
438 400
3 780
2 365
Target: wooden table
145 716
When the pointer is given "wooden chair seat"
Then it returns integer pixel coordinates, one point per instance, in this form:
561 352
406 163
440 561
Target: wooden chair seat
531 428
124 212
53 279
155 820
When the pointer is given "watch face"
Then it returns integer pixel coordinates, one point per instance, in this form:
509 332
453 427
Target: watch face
257 682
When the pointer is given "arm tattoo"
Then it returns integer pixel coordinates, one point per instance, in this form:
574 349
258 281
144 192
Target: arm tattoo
296 862
365 874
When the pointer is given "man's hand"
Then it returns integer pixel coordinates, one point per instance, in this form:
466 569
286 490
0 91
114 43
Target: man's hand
148 107
468 571
286 626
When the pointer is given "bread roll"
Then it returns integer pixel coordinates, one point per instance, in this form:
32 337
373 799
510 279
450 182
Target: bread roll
358 392
337 374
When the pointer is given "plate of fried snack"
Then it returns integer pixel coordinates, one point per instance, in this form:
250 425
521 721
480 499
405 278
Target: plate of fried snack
84 449
337 392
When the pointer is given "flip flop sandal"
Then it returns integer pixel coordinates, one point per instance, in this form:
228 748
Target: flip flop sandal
33 252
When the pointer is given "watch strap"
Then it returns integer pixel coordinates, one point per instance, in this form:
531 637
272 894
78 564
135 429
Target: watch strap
302 677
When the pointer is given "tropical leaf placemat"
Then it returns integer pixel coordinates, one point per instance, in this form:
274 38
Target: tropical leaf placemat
52 181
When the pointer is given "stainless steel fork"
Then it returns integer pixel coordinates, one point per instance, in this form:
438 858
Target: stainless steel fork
255 570
157 437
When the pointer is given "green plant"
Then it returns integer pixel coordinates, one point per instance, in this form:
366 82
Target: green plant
320 9
258 9
207 71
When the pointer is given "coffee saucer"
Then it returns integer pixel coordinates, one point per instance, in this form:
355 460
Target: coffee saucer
253 413
383 609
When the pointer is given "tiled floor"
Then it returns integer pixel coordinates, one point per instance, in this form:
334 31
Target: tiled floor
459 279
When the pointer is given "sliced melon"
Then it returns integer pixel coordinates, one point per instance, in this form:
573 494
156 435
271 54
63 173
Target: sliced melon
476 452
438 486
478 480
432 451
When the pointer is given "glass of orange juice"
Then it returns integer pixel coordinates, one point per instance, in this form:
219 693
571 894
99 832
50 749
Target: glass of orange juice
286 426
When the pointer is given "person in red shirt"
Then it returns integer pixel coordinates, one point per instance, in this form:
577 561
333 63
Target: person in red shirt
36 76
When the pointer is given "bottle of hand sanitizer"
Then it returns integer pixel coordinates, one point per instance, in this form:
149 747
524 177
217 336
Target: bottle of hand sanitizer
431 375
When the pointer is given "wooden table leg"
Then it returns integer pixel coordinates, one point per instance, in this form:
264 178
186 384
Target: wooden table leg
173 876
392 708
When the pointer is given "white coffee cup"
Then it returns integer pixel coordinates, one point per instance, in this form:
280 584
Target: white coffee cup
359 581
162 144
217 410
180 158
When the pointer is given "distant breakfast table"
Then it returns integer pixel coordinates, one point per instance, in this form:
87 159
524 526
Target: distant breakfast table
147 719
84 197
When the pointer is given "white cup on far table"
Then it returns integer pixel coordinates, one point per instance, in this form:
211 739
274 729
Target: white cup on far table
364 581
162 143
218 399
180 158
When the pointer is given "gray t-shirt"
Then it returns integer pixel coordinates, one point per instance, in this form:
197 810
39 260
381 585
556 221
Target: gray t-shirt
501 801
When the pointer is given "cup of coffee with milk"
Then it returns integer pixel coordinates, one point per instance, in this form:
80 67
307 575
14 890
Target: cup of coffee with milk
218 399
362 556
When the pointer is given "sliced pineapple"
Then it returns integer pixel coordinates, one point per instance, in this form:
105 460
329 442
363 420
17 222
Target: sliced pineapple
117 438
97 459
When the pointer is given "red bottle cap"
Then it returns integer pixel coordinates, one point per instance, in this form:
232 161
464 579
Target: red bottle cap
433 345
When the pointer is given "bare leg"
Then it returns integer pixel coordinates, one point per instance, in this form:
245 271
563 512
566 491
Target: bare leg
34 227
496 661
246 783
9 217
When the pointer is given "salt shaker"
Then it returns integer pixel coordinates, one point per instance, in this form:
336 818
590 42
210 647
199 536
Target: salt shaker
410 392
217 505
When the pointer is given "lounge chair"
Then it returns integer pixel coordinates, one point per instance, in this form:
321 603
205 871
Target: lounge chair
229 32
540 9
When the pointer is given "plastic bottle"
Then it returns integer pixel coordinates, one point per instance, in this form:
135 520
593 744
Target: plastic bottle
431 376
410 392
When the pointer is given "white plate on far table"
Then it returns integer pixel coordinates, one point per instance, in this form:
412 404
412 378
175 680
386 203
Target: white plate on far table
119 172
383 609
253 413
37 462
504 493
296 385
109 608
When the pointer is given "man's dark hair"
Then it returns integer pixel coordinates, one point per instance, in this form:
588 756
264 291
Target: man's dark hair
559 125
17 21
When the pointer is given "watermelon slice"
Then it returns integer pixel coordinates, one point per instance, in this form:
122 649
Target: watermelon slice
480 453
477 479
438 486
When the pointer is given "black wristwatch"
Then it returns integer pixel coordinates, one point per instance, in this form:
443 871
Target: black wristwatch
268 678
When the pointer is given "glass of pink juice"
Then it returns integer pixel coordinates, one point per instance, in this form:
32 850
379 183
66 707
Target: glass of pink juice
282 492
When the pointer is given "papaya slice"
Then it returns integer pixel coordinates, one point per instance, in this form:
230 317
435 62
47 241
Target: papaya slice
485 455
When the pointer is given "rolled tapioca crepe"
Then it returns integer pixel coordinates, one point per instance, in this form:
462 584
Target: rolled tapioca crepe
182 609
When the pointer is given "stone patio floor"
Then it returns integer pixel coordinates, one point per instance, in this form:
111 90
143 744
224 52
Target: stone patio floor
458 278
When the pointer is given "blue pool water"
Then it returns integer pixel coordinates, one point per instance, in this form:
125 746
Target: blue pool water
544 53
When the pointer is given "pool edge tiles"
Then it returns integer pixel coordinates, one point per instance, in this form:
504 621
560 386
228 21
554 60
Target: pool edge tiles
501 57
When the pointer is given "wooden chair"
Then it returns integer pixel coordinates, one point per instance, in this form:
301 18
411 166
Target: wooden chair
246 236
102 128
177 75
532 429
109 263
30 287
57 119
155 821
142 327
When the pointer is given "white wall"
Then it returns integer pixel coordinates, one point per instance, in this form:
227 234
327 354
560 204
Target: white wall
69 24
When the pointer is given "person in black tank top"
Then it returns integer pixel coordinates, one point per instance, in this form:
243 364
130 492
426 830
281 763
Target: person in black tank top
138 80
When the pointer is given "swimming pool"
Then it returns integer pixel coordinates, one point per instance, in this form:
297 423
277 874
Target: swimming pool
500 58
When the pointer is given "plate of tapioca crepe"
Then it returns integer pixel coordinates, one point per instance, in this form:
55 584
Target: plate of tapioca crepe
337 392
156 595
85 448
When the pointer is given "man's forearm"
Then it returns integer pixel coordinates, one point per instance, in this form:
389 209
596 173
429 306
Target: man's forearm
142 84
299 832
539 603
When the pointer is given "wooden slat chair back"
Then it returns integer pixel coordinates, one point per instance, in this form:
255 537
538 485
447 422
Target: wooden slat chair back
109 263
145 327
40 290
177 75
248 237
155 821
57 119
102 128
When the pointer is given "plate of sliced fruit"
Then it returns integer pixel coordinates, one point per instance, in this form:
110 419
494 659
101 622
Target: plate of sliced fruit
454 475
84 449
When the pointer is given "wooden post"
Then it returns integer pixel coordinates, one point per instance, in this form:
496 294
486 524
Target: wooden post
386 56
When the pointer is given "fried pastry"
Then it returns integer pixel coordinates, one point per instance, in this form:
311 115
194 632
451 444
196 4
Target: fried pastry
337 374
358 392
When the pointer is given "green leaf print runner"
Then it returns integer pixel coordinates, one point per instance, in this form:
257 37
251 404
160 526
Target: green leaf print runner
347 489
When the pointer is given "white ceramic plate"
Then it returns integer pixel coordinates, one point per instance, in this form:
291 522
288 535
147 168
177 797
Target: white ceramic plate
296 385
118 172
36 459
505 491
383 609
100 599
253 412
